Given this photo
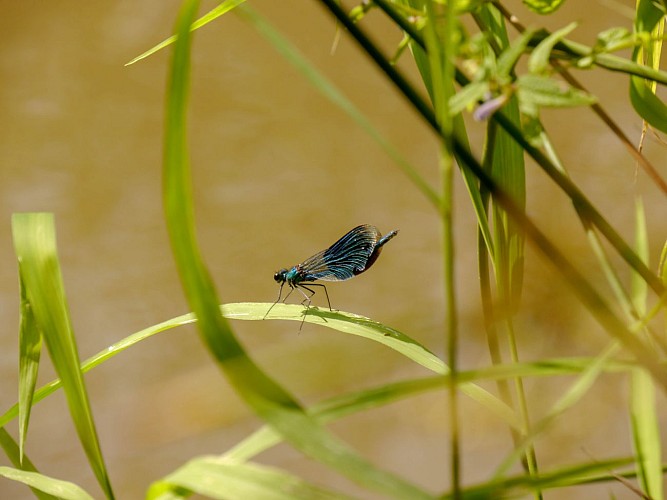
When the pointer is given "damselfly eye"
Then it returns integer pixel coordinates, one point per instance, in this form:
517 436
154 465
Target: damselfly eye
280 276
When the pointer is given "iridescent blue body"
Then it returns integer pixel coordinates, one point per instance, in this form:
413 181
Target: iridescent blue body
351 255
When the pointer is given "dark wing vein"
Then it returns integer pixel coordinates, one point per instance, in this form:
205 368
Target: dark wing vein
344 259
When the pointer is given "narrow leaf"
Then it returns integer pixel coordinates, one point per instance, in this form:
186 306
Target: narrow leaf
211 15
354 325
647 104
468 96
61 489
586 473
538 62
225 480
541 91
511 55
35 246
643 411
30 348
642 92
543 6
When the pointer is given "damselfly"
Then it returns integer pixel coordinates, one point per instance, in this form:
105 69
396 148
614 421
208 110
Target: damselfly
351 255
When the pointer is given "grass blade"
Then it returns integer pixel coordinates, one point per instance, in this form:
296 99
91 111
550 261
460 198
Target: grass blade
30 348
59 489
344 322
352 324
268 399
225 479
35 246
222 8
643 412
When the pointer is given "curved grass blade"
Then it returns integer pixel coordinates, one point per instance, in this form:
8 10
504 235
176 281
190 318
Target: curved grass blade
344 322
226 479
255 311
211 15
58 488
265 396
35 246
348 323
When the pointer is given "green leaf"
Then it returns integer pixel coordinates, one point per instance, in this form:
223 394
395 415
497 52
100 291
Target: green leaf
543 6
352 324
540 91
643 411
225 479
511 55
468 96
61 489
221 9
615 39
30 348
646 433
647 104
642 92
35 246
341 321
538 62
586 473
506 158
662 266
639 287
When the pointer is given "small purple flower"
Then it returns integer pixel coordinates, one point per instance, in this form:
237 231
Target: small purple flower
487 108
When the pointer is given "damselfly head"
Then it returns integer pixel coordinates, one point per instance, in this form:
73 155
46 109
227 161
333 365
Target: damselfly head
280 276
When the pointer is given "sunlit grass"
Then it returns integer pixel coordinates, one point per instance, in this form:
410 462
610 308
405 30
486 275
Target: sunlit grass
496 186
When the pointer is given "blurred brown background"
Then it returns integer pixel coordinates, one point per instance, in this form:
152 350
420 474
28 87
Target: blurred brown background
279 173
